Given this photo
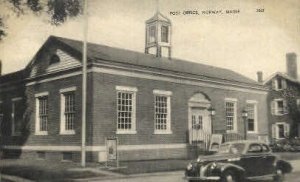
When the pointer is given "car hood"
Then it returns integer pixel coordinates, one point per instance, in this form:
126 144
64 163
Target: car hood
217 157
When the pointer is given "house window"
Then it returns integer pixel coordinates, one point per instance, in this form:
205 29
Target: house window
279 83
162 114
68 110
280 130
41 118
230 109
164 34
126 110
279 107
152 34
67 156
252 116
1 117
17 116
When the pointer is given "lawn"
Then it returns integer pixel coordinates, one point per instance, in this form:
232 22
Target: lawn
44 170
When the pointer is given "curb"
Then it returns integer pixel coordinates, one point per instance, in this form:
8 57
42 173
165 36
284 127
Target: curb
13 178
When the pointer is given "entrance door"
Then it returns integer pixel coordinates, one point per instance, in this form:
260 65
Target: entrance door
200 124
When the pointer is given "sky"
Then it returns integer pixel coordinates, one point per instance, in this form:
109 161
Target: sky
245 42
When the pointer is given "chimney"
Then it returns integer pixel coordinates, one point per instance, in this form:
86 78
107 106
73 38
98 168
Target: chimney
260 76
291 65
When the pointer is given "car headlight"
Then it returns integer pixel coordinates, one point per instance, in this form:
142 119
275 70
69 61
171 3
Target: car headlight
213 165
189 166
198 160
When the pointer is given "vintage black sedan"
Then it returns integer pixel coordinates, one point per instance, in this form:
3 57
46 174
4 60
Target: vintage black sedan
238 161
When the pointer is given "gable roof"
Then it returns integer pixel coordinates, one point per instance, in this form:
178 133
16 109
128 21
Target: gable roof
97 52
281 74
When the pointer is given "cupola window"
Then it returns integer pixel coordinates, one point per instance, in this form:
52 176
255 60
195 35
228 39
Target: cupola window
164 34
152 34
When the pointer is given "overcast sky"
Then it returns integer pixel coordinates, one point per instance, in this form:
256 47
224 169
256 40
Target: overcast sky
245 42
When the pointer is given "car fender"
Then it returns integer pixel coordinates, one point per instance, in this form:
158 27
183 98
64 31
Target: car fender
285 166
222 167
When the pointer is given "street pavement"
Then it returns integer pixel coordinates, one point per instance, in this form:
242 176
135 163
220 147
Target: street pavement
177 176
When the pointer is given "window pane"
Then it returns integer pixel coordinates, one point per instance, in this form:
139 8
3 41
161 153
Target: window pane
69 110
164 33
124 106
43 113
230 115
161 113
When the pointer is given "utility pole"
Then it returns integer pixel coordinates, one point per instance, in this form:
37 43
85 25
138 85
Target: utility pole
84 84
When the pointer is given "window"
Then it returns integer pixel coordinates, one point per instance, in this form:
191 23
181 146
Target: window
1 117
54 59
280 130
126 110
265 148
198 125
162 111
230 109
255 148
165 34
252 116
279 107
41 155
279 83
67 156
41 127
152 36
17 115
68 110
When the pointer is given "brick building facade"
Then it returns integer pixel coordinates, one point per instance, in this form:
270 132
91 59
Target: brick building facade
157 106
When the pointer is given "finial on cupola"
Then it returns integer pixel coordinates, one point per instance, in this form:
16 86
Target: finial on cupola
158 35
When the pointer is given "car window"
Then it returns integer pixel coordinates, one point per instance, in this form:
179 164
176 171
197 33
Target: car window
255 148
237 148
265 148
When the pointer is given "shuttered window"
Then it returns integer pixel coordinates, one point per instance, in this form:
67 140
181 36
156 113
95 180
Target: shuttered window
279 107
280 130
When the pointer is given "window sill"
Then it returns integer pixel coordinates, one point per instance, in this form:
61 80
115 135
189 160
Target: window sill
231 131
252 132
69 132
168 132
41 133
126 132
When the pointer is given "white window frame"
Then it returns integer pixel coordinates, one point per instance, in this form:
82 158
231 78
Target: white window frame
133 91
254 102
167 94
63 130
13 129
283 84
37 111
275 129
235 101
274 103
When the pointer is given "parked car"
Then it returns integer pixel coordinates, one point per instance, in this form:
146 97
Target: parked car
238 161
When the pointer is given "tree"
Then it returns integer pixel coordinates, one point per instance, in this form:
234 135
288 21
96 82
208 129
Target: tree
58 11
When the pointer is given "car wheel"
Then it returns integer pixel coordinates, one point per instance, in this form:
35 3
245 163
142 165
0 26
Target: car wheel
229 176
279 176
